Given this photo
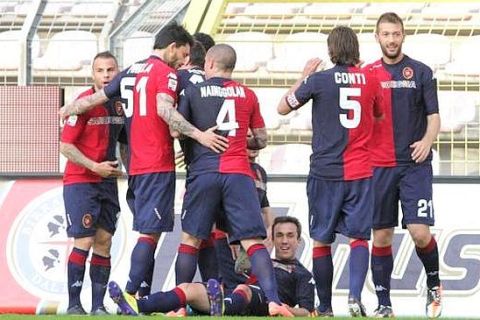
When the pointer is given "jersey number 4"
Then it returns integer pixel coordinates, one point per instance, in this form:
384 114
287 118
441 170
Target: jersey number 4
350 105
127 85
226 120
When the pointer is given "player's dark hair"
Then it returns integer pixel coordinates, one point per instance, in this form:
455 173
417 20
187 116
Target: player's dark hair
197 54
172 33
225 56
205 39
104 55
343 46
390 17
287 219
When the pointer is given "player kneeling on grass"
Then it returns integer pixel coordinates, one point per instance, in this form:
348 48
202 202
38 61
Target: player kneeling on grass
295 283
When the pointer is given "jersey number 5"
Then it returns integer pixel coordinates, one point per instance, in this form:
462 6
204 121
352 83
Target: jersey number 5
348 105
126 91
226 120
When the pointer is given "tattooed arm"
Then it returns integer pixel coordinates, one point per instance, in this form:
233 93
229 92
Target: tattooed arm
82 105
177 123
258 140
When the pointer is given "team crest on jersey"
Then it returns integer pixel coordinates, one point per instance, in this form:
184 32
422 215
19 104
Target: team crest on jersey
172 81
87 220
118 107
407 73
72 120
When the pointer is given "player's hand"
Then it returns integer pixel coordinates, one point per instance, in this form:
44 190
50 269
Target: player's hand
214 141
62 113
311 66
420 150
107 169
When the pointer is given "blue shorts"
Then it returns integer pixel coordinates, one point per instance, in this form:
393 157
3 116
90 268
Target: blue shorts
89 206
151 198
205 194
412 185
344 207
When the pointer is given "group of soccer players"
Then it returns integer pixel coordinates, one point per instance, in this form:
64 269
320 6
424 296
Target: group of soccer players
373 128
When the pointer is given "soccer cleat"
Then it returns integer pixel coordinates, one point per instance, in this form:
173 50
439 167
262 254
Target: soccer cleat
215 296
182 312
100 311
278 310
125 302
434 302
76 310
383 312
356 308
323 314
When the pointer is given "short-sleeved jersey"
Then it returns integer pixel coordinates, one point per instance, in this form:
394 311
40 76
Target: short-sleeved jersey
95 134
260 177
295 284
409 95
231 106
150 144
345 100
187 77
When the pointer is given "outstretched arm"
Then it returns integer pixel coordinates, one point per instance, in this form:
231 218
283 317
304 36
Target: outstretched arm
82 105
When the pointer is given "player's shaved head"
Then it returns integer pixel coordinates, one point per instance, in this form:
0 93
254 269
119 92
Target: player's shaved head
223 56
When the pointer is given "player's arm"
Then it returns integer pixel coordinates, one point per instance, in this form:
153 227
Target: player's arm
258 140
84 104
166 110
298 311
289 102
305 294
104 169
421 149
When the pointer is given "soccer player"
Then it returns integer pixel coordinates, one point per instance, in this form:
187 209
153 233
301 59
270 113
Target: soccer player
401 151
90 192
226 179
345 101
148 89
295 284
205 39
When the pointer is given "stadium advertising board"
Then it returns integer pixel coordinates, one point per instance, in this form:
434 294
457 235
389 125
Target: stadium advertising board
34 249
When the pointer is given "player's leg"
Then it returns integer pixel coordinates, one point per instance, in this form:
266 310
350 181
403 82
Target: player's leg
207 259
153 214
324 200
237 302
81 208
418 216
385 218
200 205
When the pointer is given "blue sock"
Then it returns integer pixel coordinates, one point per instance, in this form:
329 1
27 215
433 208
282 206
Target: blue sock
146 284
99 274
382 267
163 301
237 303
142 257
76 272
429 258
207 260
186 264
262 268
358 267
323 276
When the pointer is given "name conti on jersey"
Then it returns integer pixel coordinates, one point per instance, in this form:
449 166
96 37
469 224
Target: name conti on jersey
349 78
223 92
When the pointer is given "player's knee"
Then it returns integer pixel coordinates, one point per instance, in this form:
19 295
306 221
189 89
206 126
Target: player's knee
245 291
84 243
420 235
382 237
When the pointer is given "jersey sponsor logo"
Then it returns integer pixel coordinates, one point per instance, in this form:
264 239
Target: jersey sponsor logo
87 220
72 120
398 84
407 73
172 81
217 91
292 101
105 120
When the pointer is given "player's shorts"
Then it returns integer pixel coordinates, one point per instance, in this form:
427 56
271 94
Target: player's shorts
151 198
226 269
89 206
344 207
204 195
412 185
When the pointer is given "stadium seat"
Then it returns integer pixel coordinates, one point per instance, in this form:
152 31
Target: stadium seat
431 49
268 99
332 10
403 9
461 11
92 9
290 159
369 48
464 57
296 49
253 49
456 109
138 46
266 12
68 50
11 49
